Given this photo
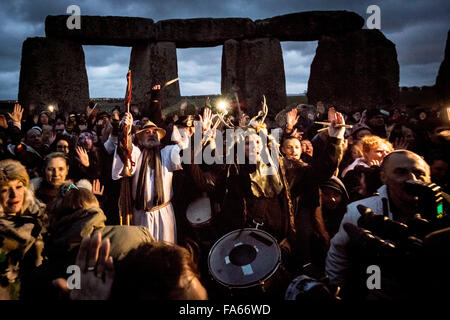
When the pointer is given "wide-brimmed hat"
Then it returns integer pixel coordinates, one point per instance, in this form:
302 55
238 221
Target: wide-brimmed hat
148 124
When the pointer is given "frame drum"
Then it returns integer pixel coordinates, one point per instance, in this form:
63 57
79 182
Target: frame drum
244 258
198 213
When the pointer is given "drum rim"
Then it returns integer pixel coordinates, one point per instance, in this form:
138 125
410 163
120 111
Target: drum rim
201 224
255 283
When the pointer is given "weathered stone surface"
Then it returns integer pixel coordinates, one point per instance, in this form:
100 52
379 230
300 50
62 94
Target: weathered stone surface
53 72
96 30
356 70
152 64
309 26
443 77
203 32
254 68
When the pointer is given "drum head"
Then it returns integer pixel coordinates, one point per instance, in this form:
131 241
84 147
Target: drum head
244 258
199 211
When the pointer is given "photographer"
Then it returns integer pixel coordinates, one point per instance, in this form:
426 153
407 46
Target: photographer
394 201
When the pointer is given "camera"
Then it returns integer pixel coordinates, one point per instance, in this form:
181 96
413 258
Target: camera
431 202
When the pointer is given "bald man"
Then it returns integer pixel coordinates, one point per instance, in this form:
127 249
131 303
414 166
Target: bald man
392 200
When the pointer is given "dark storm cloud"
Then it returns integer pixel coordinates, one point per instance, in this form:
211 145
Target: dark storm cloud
418 29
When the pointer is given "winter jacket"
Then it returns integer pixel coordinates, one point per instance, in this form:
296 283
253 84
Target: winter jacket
337 261
21 244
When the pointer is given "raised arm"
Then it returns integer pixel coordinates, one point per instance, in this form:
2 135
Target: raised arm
153 110
328 147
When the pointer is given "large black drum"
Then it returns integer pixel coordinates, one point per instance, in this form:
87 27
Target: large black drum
245 261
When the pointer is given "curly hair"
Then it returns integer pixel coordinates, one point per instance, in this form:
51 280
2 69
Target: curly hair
368 143
14 170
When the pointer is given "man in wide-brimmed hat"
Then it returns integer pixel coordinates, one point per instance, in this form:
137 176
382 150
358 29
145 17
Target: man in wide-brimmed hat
151 168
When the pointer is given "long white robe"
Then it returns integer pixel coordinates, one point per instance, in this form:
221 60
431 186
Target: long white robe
161 223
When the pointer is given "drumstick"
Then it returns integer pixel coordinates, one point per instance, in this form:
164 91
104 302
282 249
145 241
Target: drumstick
349 126
168 83
323 129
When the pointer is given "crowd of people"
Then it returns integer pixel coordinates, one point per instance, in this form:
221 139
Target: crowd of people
122 195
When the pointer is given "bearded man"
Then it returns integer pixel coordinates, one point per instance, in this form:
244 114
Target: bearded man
151 186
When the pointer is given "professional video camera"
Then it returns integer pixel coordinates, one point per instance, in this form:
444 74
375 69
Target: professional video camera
413 258
403 252
431 201
430 215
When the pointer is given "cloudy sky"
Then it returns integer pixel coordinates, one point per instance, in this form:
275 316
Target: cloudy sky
417 28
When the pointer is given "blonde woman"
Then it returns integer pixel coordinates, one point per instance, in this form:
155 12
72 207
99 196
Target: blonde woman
21 223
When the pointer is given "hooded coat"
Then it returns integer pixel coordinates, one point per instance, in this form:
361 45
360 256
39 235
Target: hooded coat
21 244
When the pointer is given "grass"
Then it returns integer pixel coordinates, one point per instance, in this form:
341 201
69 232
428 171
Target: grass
407 98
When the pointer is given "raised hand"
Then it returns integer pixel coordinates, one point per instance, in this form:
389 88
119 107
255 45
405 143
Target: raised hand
291 119
51 137
16 116
97 188
400 143
336 129
297 134
128 121
115 115
97 270
374 163
206 120
207 102
89 109
3 122
82 156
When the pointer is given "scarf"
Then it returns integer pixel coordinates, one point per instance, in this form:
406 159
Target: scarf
150 158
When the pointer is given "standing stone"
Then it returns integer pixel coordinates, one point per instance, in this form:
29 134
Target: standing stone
443 77
152 64
355 70
53 72
254 68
